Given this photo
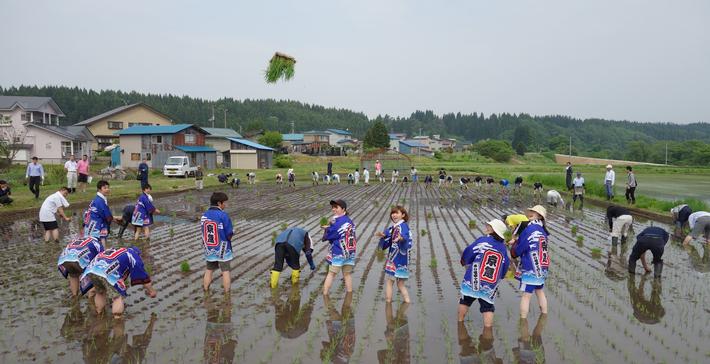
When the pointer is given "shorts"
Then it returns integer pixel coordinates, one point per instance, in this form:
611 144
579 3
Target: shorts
347 269
101 285
50 225
83 177
223 266
702 226
73 269
484 306
391 277
530 288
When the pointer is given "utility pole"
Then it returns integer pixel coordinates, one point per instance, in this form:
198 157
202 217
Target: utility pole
225 118
666 153
570 149
292 127
212 116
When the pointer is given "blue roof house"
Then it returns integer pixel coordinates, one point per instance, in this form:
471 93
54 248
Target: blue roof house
157 143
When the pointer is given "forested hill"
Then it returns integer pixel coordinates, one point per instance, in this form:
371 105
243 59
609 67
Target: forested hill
591 137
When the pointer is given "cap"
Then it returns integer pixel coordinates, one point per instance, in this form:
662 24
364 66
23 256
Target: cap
608 166
498 226
340 203
540 210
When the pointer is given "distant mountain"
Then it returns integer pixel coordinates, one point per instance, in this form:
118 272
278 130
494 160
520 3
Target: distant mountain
591 137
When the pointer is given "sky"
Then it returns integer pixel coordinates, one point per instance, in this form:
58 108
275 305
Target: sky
639 60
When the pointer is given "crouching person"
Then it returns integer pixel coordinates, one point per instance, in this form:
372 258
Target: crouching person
75 257
486 261
289 245
107 274
654 239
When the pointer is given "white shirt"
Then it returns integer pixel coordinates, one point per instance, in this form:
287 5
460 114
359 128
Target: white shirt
50 206
578 182
71 166
554 197
695 216
366 173
413 171
610 176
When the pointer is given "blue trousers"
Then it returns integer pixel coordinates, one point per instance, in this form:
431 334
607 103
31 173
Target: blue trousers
609 190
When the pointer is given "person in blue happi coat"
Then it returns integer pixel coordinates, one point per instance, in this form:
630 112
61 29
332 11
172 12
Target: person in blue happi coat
398 239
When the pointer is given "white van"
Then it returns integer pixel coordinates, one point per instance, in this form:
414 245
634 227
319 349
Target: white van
179 166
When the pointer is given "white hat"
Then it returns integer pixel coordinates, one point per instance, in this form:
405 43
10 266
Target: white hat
608 166
540 211
498 227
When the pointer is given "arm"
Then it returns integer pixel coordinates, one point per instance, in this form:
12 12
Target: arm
60 211
41 172
610 220
27 172
309 251
385 239
645 264
228 228
468 255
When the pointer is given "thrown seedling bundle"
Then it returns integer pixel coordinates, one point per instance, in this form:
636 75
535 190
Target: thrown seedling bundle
281 66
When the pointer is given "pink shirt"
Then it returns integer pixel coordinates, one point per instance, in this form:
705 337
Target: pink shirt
83 166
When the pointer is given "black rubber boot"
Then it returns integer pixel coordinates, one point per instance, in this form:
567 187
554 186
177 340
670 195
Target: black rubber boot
614 241
657 269
623 240
632 266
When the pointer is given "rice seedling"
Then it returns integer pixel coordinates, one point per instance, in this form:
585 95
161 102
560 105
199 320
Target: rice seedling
323 221
471 224
596 253
580 241
574 230
185 266
432 263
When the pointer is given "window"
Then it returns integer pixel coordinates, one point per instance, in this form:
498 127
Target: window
147 156
26 116
5 120
66 148
115 125
189 138
135 156
157 139
138 124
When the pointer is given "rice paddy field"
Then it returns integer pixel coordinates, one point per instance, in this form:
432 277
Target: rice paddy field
597 312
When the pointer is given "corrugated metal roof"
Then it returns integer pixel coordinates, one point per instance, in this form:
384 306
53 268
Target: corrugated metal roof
118 110
195 148
153 129
316 132
340 131
292 137
249 143
28 103
413 143
222 132
74 133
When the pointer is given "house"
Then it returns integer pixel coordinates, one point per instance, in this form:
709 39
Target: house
103 127
348 144
217 138
315 141
246 154
290 139
394 142
158 143
413 147
32 125
336 135
423 139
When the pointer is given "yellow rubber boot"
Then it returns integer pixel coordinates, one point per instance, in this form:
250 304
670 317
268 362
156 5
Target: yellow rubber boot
295 274
274 278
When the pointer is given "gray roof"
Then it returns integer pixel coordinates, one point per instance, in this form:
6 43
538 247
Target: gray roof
117 110
222 133
28 103
74 133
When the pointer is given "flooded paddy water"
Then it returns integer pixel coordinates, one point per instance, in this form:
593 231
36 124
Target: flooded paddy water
597 313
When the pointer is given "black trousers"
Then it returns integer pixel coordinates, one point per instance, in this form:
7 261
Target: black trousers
655 245
284 251
35 181
630 197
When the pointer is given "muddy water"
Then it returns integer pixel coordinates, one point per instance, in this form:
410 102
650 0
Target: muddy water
597 313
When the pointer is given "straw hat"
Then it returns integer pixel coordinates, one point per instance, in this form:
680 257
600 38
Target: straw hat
608 166
540 211
498 226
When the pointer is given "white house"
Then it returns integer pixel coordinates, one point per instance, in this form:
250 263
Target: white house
336 135
217 139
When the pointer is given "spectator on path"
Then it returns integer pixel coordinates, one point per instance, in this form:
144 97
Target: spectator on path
652 238
630 186
699 223
217 232
71 167
53 204
330 168
366 176
35 176
568 176
199 178
143 171
82 167
680 214
620 221
288 247
578 190
609 180
378 171
5 193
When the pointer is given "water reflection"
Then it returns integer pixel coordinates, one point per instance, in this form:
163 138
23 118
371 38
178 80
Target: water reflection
397 336
699 263
616 264
107 342
72 327
483 353
649 311
220 338
530 348
341 331
291 319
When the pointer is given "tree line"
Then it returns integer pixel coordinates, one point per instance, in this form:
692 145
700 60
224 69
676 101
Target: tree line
525 133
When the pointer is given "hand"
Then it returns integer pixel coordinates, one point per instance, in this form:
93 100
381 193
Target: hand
648 270
157 211
150 292
313 266
379 234
67 218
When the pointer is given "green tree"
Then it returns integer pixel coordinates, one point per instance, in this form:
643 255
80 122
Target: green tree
521 135
498 150
377 136
271 139
520 149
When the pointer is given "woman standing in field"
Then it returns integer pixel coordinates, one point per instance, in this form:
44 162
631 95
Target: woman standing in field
398 239
340 232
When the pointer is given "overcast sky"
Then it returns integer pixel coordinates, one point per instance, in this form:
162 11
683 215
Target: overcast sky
642 60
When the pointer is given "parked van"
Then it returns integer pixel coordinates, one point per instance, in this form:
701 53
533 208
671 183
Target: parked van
179 166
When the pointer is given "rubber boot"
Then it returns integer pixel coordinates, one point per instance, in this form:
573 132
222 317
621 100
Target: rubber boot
657 269
274 278
295 274
614 241
623 240
632 266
